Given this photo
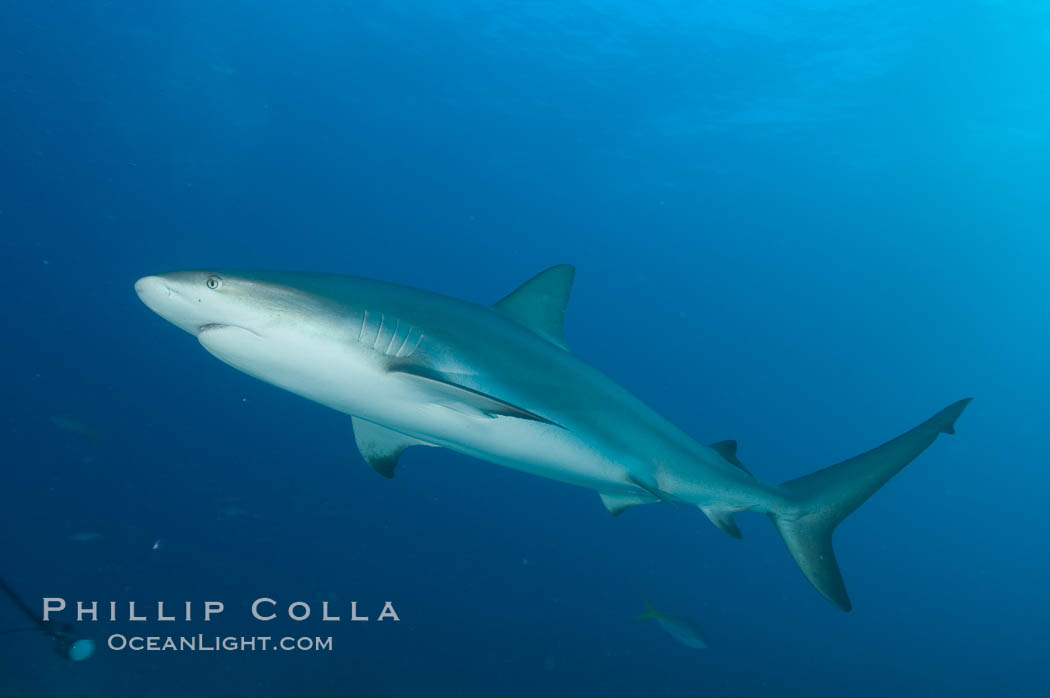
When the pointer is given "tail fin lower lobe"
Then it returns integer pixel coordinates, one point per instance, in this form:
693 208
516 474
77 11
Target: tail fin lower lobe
818 502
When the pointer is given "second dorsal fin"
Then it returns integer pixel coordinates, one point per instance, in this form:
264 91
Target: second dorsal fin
727 449
539 303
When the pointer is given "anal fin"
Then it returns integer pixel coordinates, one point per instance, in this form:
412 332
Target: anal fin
723 518
381 447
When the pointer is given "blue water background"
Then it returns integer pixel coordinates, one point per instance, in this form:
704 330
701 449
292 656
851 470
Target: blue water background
803 225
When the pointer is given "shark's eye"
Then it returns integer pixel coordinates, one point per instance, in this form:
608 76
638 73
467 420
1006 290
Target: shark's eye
214 282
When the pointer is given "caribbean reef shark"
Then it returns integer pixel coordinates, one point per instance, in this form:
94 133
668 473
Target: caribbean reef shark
682 629
415 368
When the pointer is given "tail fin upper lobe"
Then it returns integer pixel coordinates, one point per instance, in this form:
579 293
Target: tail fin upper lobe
818 502
650 611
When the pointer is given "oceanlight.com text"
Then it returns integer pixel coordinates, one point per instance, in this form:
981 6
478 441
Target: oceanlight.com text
216 643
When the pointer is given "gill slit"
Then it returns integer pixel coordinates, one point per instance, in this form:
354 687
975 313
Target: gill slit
393 336
408 336
364 321
382 319
418 342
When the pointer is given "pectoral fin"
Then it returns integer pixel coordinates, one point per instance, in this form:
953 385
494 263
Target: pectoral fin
381 447
444 390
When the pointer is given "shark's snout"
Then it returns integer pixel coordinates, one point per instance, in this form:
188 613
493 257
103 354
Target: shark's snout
154 293
164 297
151 287
202 302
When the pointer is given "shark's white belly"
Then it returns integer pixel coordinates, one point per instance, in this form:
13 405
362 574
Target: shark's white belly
356 384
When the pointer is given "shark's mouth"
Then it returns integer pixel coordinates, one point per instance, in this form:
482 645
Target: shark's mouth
213 326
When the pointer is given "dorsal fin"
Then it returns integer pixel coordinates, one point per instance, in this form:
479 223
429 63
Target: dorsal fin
539 303
727 449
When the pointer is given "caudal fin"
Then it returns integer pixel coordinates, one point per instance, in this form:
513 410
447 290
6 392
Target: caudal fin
816 503
650 611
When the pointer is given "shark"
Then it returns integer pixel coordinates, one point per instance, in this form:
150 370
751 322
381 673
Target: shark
414 368
684 630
